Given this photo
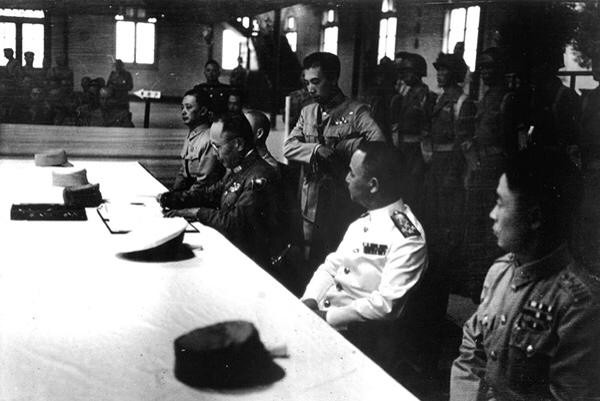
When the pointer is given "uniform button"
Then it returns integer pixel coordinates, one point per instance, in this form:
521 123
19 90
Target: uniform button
346 270
365 229
327 303
530 350
338 286
503 319
494 355
485 319
355 250
513 287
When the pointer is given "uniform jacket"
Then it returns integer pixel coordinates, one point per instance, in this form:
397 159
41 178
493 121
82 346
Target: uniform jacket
452 118
243 206
345 124
494 122
411 113
217 94
535 335
376 264
199 161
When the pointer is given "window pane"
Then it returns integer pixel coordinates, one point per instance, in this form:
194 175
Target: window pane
33 41
473 18
8 38
457 19
125 41
19 12
292 38
391 38
144 47
330 39
471 37
232 48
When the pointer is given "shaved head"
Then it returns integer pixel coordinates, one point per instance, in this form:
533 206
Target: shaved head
258 121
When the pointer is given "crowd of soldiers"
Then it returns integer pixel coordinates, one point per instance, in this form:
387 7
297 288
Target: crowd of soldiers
30 95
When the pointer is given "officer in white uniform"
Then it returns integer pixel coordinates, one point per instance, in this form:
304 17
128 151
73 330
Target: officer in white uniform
383 253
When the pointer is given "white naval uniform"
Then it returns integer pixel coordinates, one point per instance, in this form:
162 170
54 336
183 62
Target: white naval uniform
374 267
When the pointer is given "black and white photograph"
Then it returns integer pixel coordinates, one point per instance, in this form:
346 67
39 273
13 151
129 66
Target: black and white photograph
337 200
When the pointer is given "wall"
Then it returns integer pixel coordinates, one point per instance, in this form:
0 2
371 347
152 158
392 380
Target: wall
180 52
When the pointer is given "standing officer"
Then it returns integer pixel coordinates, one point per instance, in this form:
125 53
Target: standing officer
121 82
451 132
243 205
217 92
323 140
535 334
410 120
495 138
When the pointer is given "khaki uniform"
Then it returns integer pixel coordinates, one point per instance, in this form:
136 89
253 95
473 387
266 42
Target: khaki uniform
324 201
199 161
376 264
535 335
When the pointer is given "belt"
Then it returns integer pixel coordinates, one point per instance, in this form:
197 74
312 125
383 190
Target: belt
490 150
448 147
411 139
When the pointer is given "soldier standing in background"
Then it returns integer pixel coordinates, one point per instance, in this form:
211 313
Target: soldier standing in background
494 140
410 113
444 189
217 92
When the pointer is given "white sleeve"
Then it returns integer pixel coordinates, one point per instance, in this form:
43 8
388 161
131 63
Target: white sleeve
406 262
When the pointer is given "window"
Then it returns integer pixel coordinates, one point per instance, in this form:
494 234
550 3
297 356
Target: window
21 31
236 45
329 37
462 25
290 33
135 39
387 30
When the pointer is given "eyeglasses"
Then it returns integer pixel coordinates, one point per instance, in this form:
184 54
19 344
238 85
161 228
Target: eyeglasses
219 147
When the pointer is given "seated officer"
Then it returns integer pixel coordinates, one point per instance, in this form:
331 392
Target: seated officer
382 255
535 334
243 205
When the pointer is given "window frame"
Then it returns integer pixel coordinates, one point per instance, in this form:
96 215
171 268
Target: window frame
19 21
135 64
325 24
288 30
386 15
447 29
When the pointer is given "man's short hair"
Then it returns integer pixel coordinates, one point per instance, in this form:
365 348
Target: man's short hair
213 62
201 97
549 180
237 126
261 119
329 63
385 163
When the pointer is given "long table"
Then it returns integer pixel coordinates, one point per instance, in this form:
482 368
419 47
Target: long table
80 322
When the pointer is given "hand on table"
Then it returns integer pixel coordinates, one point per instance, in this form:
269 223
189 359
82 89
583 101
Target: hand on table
313 306
185 213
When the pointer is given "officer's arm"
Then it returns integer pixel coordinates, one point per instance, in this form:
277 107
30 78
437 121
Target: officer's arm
465 123
468 370
245 212
575 366
295 147
207 196
128 82
209 167
405 264
182 182
322 279
365 129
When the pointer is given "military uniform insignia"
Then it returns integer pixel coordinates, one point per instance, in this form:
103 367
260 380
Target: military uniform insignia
374 249
234 187
536 315
402 223
259 183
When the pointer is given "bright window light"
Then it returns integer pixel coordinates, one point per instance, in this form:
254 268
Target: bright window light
331 16
33 41
330 39
234 46
291 23
144 46
292 38
387 6
387 38
462 25
8 38
19 12
126 41
135 41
